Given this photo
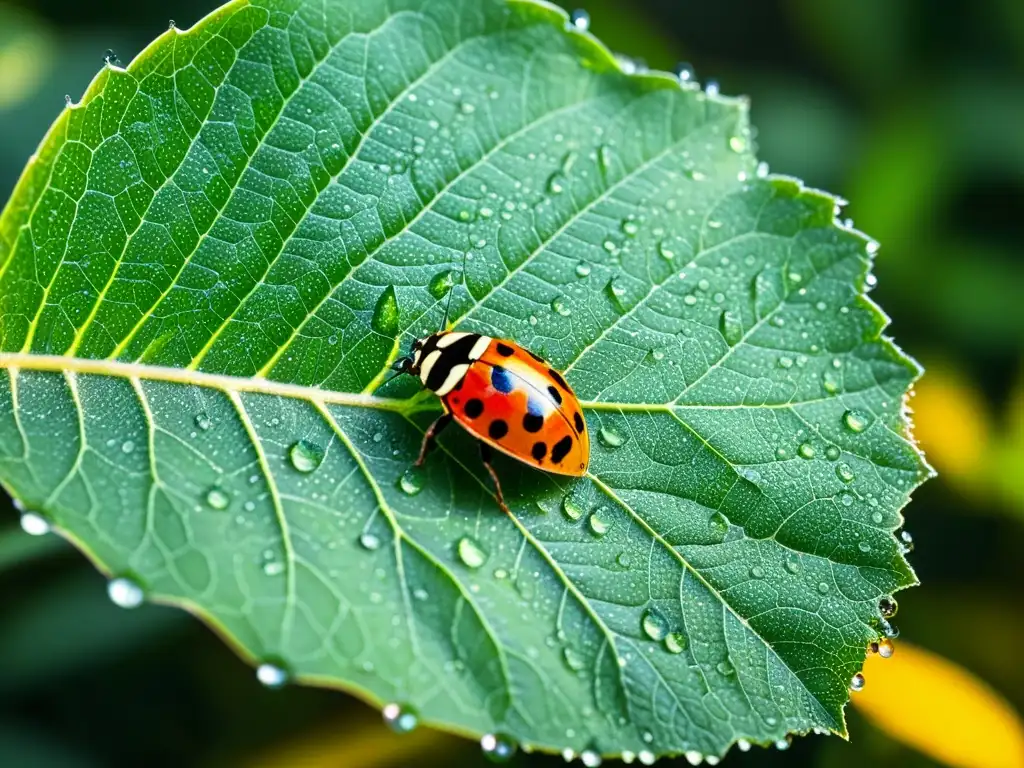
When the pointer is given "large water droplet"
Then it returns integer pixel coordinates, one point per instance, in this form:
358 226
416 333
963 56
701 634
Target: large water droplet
646 757
844 473
629 228
401 718
888 607
718 524
580 19
217 499
271 675
598 526
305 456
856 420
675 642
369 541
590 758
693 757
616 291
832 453
561 306
610 437
34 524
885 648
470 553
441 283
412 480
731 327
654 624
385 313
806 451
857 682
582 269
571 509
498 747
125 593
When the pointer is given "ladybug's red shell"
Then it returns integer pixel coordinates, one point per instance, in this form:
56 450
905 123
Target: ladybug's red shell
508 397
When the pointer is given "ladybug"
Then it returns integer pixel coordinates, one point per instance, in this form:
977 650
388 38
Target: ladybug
504 395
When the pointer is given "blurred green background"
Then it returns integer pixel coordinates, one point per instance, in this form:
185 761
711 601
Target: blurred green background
911 109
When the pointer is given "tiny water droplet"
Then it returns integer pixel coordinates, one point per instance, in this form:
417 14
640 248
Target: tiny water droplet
369 541
829 382
441 283
605 156
400 718
693 757
580 19
885 648
630 228
725 667
34 524
498 747
856 420
823 587
757 572
743 745
217 499
737 144
782 744
876 518
571 509
561 306
844 473
857 682
888 607
646 757
271 675
907 542
305 456
832 452
793 564
412 480
785 362
203 421
731 327
864 547
573 659
590 758
598 526
470 553
654 624
125 592
675 642
610 437
557 183
127 446
806 451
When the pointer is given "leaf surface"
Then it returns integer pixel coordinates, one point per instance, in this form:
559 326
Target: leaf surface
210 263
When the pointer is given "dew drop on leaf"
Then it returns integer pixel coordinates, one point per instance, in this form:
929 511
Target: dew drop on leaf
888 607
369 541
857 682
34 524
785 362
385 313
582 269
400 718
203 421
856 420
832 453
885 648
125 592
598 526
557 183
580 19
793 564
757 572
561 306
498 747
675 642
629 228
718 524
726 667
412 480
823 587
305 456
590 758
623 559
271 675
441 283
470 553
864 547
572 510
654 624
217 499
844 473
806 451
907 542
731 327
611 437
573 659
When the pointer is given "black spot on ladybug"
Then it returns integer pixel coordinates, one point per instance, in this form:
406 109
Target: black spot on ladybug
539 451
536 357
501 380
474 408
561 449
505 350
557 377
497 429
578 421
532 422
555 394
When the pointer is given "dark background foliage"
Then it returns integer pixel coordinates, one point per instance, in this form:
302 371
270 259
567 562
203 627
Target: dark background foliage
911 109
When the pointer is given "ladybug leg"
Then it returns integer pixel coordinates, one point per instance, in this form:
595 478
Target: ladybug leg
485 457
431 435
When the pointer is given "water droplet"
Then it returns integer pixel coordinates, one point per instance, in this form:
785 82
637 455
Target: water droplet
605 156
885 648
844 473
630 228
907 542
857 682
498 747
675 642
616 291
743 745
864 547
856 420
125 593
385 313
597 525
557 183
830 382
725 667
684 71
574 659
610 437
400 718
876 518
34 524
654 624
590 758
793 564
823 587
127 446
217 499
737 144
582 269
580 19
646 757
693 757
203 421
369 541
832 453
757 572
806 451
470 553
785 362
412 480
271 675
718 524
305 456
561 306
441 283
571 509
782 744
888 606
731 327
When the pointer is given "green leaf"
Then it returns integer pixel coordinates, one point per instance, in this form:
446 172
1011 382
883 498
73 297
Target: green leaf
212 260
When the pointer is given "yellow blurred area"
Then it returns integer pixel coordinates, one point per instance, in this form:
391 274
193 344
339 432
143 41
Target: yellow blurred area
940 709
25 56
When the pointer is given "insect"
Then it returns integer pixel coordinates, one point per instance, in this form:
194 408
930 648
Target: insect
506 396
